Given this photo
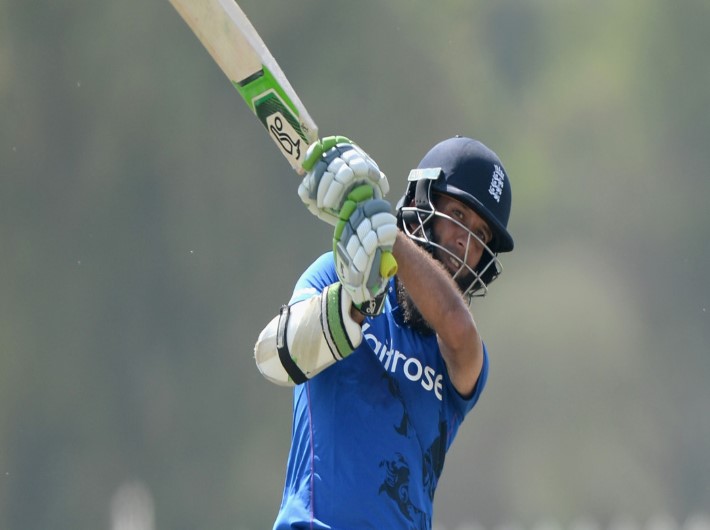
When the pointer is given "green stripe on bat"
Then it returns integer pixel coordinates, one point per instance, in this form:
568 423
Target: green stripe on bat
265 96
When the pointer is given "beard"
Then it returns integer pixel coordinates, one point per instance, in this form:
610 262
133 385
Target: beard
411 315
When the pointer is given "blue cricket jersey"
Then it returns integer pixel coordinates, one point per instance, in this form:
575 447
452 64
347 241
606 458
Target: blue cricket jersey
370 433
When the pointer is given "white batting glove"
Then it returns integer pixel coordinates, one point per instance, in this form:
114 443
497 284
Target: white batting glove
335 167
362 247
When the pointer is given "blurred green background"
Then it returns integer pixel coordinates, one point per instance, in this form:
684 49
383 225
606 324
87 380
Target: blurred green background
149 231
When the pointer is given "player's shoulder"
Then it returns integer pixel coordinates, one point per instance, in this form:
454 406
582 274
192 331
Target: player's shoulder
325 260
323 266
315 278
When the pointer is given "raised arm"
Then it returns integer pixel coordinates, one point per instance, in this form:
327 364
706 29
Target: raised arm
440 302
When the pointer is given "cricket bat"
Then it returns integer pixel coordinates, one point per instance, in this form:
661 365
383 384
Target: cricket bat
225 31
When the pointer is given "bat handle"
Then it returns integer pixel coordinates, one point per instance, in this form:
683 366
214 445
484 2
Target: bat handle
388 264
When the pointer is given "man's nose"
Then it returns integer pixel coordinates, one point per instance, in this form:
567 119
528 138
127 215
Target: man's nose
462 237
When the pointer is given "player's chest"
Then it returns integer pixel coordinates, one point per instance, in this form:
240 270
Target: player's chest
412 369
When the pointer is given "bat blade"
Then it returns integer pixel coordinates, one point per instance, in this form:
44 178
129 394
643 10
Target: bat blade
225 31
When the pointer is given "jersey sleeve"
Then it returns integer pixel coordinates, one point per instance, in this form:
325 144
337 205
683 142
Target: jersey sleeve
315 278
464 405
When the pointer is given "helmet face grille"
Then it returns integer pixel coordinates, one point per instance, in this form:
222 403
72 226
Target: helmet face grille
417 224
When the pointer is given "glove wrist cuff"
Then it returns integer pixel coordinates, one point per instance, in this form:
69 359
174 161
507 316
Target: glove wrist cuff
342 333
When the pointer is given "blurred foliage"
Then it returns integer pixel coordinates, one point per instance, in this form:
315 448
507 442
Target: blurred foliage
149 231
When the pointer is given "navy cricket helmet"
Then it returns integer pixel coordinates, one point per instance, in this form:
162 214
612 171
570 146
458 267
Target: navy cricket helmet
471 173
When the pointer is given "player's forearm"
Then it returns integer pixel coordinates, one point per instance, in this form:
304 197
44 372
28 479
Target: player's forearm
437 297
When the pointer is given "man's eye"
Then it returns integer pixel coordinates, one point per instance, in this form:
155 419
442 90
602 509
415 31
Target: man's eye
483 235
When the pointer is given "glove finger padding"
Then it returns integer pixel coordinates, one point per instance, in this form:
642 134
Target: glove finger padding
362 247
335 167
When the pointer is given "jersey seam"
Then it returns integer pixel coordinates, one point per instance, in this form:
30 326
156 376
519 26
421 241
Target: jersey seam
312 455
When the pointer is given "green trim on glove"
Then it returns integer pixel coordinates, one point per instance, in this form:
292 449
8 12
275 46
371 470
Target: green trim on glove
357 195
316 149
360 194
335 320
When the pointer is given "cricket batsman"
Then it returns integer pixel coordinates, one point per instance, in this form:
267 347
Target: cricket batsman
378 339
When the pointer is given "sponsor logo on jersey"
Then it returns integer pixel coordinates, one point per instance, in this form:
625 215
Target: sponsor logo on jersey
395 361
